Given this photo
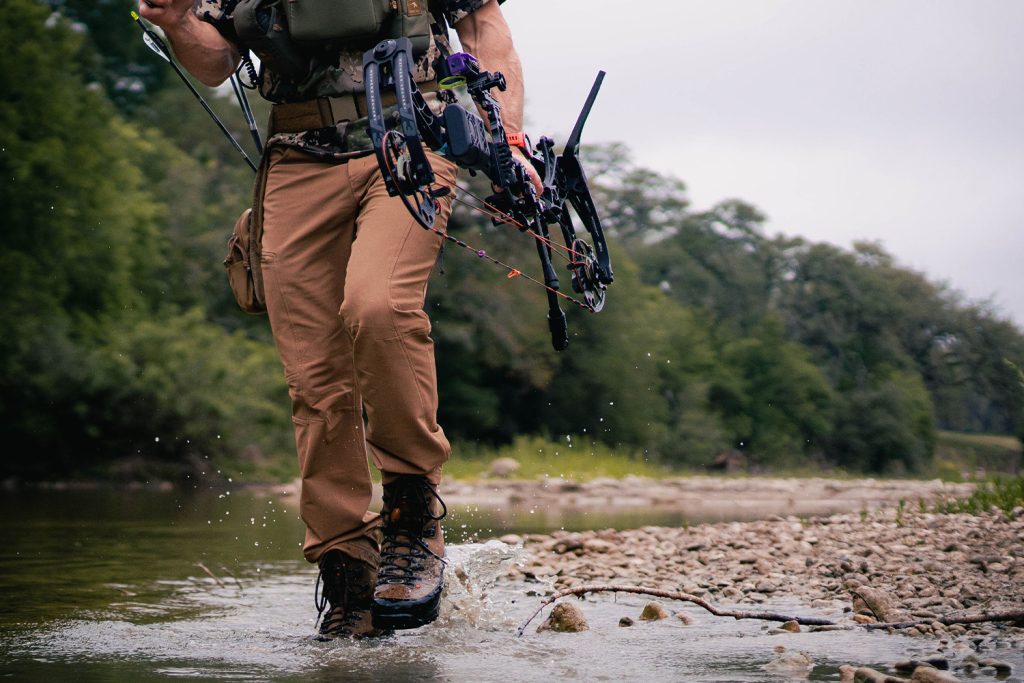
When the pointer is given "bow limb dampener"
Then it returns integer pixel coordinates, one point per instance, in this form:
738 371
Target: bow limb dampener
461 135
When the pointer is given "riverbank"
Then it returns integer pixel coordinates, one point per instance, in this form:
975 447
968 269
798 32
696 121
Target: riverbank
706 497
701 498
927 565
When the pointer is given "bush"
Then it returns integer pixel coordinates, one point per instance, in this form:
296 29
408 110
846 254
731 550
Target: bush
176 389
887 426
1004 493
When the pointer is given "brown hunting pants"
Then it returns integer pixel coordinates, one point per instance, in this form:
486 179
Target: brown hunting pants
345 270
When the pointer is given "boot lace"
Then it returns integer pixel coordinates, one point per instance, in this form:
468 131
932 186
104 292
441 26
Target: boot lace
403 551
340 616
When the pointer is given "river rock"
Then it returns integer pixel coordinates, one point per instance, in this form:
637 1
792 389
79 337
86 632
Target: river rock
791 626
565 618
929 674
878 603
626 621
865 674
908 667
653 611
790 664
1002 668
503 468
597 545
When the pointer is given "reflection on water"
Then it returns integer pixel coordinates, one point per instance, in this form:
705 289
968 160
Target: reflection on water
147 585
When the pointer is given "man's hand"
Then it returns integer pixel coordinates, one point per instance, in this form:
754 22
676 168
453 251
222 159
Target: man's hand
167 14
486 35
519 155
198 46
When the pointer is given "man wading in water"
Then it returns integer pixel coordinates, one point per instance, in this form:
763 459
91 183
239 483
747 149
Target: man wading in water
345 270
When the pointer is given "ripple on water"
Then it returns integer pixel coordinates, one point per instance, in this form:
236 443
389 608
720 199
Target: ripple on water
260 627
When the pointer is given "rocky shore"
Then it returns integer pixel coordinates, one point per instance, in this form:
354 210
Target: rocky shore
907 564
700 498
704 497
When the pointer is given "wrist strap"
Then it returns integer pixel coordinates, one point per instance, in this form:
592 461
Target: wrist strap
519 140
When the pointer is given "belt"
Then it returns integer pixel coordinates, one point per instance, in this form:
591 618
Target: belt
324 112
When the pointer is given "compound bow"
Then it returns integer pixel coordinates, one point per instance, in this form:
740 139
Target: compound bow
461 135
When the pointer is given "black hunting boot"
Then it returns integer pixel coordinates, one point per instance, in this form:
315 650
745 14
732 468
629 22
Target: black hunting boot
411 573
344 604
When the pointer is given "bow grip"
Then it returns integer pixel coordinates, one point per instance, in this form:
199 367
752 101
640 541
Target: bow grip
559 329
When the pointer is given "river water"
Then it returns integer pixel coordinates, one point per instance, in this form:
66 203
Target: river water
155 585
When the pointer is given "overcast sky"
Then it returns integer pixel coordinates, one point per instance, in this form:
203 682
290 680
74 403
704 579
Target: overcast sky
900 120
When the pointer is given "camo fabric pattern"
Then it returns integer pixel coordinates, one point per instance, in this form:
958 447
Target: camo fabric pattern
344 75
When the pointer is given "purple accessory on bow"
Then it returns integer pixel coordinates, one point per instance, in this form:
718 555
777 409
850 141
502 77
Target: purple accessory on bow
458 63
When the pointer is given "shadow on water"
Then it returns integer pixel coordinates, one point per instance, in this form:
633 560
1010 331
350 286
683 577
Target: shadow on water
113 585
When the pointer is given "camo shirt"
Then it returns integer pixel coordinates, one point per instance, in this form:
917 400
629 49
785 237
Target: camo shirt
347 139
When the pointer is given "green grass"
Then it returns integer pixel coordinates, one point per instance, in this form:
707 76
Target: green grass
996 443
577 458
1004 493
959 455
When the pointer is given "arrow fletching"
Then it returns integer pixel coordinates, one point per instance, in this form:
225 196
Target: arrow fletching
151 42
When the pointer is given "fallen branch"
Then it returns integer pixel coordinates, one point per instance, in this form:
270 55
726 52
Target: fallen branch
670 595
1004 615
234 578
210 574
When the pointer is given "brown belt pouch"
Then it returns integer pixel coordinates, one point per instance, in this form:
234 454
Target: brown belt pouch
245 248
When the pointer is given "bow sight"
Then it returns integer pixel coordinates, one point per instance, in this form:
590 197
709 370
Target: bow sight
461 135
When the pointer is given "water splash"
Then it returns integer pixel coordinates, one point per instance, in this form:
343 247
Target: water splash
473 570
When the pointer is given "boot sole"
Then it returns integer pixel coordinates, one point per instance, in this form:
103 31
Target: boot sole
405 614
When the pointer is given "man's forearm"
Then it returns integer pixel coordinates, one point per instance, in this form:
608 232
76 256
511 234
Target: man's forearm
485 34
202 50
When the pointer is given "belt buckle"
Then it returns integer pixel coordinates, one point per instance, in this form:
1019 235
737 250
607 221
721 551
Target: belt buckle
343 108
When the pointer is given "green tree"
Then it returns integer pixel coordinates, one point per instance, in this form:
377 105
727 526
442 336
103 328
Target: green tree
885 426
776 403
635 375
96 362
